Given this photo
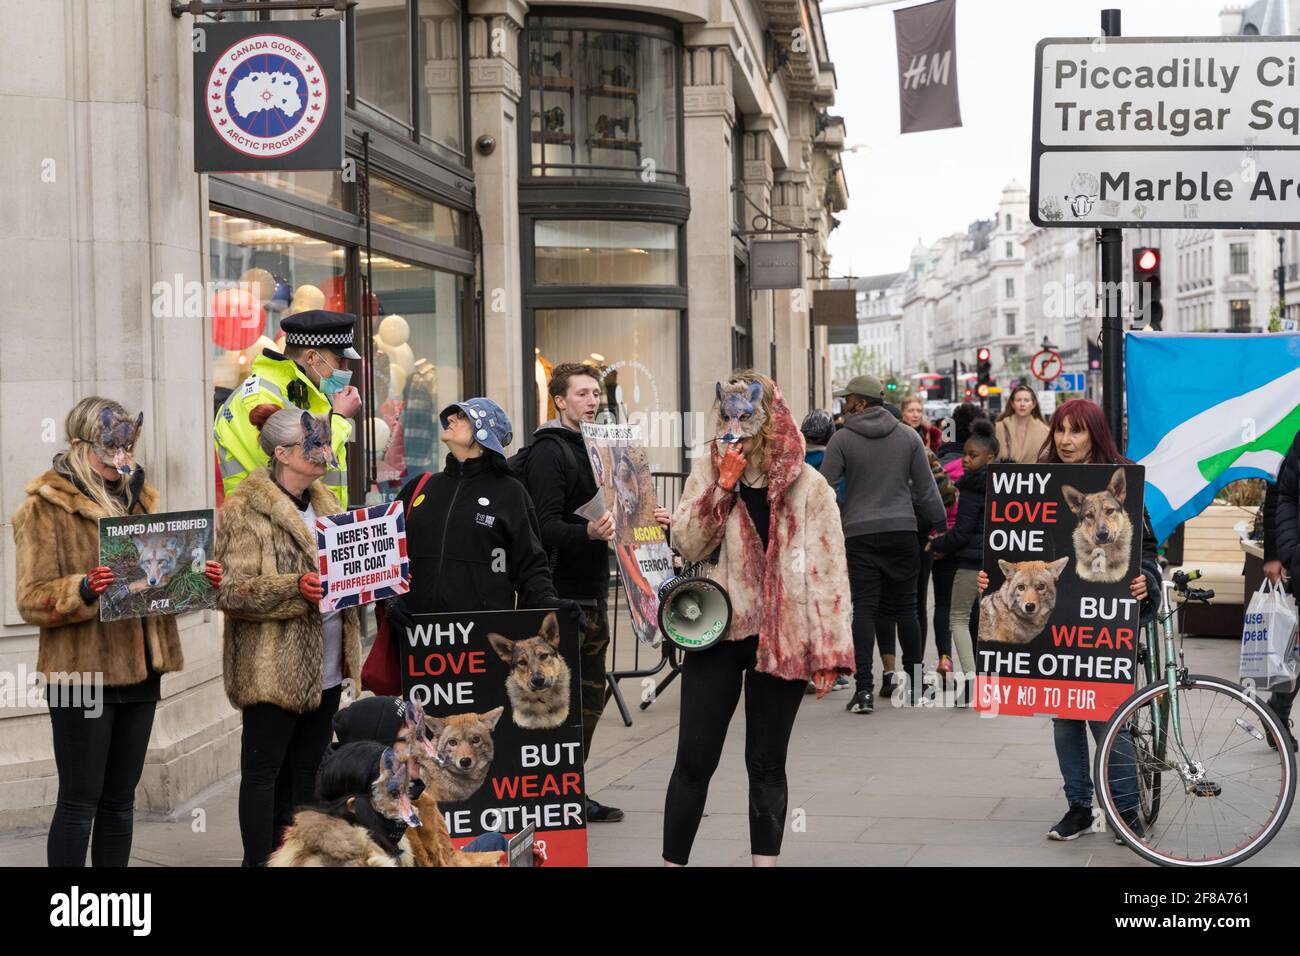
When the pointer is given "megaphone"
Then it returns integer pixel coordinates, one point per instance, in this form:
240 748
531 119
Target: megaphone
694 612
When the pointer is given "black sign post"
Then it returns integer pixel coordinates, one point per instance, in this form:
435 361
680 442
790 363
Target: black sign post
268 96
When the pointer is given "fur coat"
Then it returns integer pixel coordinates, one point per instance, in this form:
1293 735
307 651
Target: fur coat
56 539
795 596
318 839
431 843
273 648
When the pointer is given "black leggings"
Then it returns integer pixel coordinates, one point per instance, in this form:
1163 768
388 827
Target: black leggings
281 753
99 760
711 682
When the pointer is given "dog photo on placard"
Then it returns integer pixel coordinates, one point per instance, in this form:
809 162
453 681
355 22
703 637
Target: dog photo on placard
1017 612
537 681
1103 535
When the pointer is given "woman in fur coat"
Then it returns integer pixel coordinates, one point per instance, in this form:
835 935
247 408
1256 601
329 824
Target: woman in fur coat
60 580
284 662
774 525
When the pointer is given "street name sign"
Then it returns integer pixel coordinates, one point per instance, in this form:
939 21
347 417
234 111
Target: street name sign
1166 132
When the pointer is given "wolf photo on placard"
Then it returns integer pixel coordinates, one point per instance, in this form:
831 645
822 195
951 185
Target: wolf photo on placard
538 680
1017 612
158 562
1103 537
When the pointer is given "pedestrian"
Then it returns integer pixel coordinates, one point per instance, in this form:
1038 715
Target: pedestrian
913 411
361 816
950 456
1078 435
768 526
560 478
1021 427
963 546
312 376
885 467
1281 551
102 679
284 662
471 533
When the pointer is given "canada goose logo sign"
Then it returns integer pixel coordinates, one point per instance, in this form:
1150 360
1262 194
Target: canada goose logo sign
266 95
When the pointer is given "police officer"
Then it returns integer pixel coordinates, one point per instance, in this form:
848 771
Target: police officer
312 375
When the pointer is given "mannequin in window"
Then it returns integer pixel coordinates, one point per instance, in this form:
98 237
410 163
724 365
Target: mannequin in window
419 408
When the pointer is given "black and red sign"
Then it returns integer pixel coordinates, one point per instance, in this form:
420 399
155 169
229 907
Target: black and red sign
268 96
1058 625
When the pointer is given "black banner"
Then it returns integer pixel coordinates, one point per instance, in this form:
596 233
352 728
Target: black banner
927 66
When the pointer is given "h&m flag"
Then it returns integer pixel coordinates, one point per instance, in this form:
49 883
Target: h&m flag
927 66
1205 410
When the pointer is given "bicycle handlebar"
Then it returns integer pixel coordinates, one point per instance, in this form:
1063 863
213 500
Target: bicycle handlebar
1184 578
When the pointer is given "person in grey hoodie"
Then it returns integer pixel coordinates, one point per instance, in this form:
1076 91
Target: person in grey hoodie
886 471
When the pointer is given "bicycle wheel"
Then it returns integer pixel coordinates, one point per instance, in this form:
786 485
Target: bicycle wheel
1144 733
1220 803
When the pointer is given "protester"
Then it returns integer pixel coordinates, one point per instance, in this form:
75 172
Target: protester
1078 435
1281 550
950 456
362 816
284 662
963 546
102 679
311 376
885 466
772 523
1021 427
913 411
558 475
471 532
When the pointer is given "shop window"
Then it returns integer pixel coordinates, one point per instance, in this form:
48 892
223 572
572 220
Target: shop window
1240 315
402 210
438 74
603 97
383 68
591 252
417 367
635 351
260 275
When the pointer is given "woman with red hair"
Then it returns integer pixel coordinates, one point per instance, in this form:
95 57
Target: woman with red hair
1078 435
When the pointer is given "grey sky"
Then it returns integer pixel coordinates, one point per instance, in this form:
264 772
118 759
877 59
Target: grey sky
930 184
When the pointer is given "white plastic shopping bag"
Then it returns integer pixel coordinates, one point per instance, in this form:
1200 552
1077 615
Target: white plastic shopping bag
1268 637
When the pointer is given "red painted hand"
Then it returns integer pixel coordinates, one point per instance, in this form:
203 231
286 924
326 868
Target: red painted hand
98 579
731 468
309 587
213 571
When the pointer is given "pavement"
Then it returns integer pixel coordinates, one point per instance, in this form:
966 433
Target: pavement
901 787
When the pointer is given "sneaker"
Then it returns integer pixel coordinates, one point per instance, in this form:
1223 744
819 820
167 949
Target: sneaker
862 703
888 685
841 683
599 813
1134 824
1077 820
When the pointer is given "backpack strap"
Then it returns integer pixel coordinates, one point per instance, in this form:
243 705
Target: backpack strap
419 486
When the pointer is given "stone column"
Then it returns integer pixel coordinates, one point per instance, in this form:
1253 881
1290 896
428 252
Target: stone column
102 217
710 266
791 306
758 187
494 85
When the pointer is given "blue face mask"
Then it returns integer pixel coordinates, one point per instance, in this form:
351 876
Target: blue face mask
336 381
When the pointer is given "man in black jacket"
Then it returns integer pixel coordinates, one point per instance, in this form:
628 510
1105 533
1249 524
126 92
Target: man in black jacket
558 475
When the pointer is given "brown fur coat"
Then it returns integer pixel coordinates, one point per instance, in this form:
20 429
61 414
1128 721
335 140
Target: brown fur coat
431 843
795 596
56 539
317 839
274 645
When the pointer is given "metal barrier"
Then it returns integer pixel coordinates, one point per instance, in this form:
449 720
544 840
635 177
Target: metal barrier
668 489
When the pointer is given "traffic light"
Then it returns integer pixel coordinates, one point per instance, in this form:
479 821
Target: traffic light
891 385
1147 307
984 369
1094 356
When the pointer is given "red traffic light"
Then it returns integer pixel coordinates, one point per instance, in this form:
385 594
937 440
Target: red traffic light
1148 260
984 391
983 354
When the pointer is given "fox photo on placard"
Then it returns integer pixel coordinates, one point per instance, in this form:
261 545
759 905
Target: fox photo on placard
1058 625
157 562
501 694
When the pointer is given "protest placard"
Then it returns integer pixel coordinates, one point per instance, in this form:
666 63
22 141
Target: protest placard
362 556
1058 625
645 562
157 562
502 690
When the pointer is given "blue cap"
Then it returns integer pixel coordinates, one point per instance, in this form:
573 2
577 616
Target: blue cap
489 423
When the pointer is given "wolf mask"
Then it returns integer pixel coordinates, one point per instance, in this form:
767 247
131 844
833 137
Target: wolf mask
316 440
740 411
116 444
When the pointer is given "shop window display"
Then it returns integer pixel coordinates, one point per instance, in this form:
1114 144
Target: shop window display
594 252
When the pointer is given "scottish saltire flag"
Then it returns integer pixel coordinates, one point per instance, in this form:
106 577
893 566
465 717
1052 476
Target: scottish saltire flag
1205 410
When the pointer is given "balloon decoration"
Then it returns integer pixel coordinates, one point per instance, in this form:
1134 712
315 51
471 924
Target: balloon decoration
396 380
259 282
249 355
305 298
402 357
382 434
281 297
393 331
237 319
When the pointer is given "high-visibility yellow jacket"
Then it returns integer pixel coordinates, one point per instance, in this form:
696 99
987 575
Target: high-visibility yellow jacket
272 380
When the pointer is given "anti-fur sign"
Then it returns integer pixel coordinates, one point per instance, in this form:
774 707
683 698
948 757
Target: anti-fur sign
1058 625
362 556
157 562
502 691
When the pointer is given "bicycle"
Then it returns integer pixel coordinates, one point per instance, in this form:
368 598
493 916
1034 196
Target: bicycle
1198 803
